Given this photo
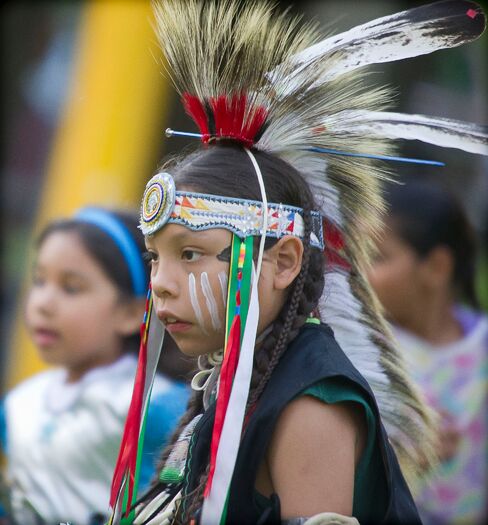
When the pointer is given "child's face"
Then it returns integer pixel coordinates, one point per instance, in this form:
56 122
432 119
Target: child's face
73 313
397 277
189 279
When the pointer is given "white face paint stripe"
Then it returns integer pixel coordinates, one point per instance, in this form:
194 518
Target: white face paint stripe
223 280
194 302
210 300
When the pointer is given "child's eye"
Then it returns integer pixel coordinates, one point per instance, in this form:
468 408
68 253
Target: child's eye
71 289
150 257
190 255
37 280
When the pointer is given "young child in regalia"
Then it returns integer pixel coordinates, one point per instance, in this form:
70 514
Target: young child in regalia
258 241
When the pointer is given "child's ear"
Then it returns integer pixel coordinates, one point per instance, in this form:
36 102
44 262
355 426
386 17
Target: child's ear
288 254
130 316
439 267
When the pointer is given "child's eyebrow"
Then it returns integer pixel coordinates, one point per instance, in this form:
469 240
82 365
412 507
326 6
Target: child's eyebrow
65 274
183 236
71 274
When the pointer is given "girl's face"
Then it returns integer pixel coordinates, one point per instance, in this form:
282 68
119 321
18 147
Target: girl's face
397 277
74 313
189 279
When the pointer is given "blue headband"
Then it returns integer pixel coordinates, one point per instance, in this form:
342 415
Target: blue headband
113 227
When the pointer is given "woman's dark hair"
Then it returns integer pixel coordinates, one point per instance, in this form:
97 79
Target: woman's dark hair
426 216
104 250
226 169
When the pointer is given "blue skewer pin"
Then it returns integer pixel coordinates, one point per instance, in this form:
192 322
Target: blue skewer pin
171 132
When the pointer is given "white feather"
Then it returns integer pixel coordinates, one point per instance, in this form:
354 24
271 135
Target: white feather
338 306
343 313
443 132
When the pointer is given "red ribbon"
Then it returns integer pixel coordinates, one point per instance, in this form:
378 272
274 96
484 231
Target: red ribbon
227 373
127 458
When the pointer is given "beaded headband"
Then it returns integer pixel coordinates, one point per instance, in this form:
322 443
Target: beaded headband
162 204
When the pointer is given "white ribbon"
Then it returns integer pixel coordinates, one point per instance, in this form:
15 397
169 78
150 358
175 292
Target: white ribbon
213 506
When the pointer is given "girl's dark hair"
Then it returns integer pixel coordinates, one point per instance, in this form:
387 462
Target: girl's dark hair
226 169
104 250
426 216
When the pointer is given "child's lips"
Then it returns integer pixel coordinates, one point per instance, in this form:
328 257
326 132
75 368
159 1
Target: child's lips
172 324
45 337
177 326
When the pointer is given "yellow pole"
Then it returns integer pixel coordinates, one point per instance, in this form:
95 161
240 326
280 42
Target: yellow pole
107 140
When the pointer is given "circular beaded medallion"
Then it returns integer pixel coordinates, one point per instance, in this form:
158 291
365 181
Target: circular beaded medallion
157 203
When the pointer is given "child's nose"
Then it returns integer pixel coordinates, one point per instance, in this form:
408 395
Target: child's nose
164 283
44 298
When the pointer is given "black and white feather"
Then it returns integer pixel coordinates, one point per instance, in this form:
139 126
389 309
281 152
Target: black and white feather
418 31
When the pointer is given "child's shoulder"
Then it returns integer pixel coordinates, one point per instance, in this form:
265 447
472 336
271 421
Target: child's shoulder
169 395
112 382
163 385
34 386
312 356
315 342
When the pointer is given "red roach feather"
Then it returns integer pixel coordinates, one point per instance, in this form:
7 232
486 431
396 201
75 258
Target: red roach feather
232 116
196 110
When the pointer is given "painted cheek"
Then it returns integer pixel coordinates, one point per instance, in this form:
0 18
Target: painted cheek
194 302
210 301
223 281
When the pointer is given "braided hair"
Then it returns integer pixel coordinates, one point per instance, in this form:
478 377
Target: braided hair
225 170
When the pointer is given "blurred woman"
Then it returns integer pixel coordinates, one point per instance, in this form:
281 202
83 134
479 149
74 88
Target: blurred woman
424 276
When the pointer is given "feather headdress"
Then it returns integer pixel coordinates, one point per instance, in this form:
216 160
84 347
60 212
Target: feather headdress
268 82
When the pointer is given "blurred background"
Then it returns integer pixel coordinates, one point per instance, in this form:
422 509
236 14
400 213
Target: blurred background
85 106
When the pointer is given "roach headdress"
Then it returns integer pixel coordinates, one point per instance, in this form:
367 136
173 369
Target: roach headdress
266 81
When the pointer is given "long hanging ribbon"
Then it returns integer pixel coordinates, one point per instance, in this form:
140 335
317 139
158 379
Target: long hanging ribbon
227 372
214 507
126 473
241 258
217 490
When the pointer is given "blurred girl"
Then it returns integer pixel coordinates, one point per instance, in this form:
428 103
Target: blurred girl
424 276
64 426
